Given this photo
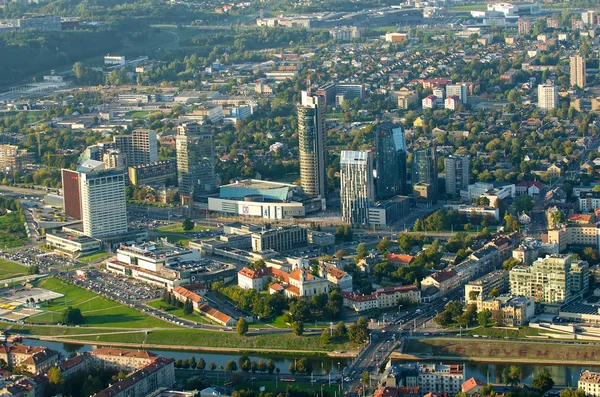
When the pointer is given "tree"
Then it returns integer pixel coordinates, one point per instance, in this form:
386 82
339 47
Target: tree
488 390
340 254
303 366
188 225
231 366
543 381
443 319
523 202
590 255
212 366
510 263
259 264
201 364
572 393
361 251
473 295
340 330
359 331
56 380
242 326
483 317
244 363
72 316
188 307
297 328
511 223
494 293
270 367
511 376
383 245
325 337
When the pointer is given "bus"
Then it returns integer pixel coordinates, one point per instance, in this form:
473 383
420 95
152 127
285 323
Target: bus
287 379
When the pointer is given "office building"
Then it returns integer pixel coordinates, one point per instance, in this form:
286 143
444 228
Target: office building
71 193
113 159
195 161
459 90
552 281
524 26
589 382
12 158
425 172
311 135
457 175
161 172
391 160
385 213
357 190
103 209
43 23
350 91
577 71
139 147
280 239
547 96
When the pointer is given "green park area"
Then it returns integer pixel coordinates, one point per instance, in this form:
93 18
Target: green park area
93 257
11 270
97 311
506 350
178 228
12 230
177 312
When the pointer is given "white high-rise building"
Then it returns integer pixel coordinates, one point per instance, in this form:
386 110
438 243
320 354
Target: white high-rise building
357 189
195 160
140 147
460 90
312 149
103 203
547 96
457 175
577 71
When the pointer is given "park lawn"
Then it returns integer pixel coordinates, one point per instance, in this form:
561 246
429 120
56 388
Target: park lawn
96 310
16 238
178 228
158 304
175 237
511 332
11 270
93 257
234 341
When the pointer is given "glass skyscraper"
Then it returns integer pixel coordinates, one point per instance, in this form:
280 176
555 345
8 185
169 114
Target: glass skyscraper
391 160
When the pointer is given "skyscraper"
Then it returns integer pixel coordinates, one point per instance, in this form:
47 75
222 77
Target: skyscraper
424 170
547 96
357 191
391 160
311 134
103 208
577 63
457 175
71 193
139 147
195 160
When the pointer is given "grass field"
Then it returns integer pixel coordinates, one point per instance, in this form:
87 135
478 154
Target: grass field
16 238
502 332
11 270
158 304
96 310
501 349
93 257
178 228
469 7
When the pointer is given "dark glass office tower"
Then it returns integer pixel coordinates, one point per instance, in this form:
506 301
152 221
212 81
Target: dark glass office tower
391 160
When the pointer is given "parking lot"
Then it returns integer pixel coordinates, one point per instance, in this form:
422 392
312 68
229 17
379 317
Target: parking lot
120 289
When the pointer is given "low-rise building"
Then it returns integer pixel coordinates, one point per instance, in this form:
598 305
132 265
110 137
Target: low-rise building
122 359
507 310
72 245
445 281
589 382
160 373
497 280
469 210
321 239
385 213
34 359
280 239
160 173
337 277
382 298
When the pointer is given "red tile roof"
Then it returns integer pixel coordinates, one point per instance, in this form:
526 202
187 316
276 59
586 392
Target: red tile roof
187 294
335 272
400 258
214 313
358 297
110 351
472 383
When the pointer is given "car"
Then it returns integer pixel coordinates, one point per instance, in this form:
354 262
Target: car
314 380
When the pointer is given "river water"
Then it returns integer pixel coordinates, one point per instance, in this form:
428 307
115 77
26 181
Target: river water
563 375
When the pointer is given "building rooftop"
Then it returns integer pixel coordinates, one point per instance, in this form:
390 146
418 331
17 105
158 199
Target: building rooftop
132 379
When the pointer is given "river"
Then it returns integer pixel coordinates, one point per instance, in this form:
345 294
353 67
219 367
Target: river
563 375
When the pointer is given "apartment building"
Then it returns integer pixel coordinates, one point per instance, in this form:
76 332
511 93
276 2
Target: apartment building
122 359
160 373
508 311
160 172
589 382
498 280
35 359
280 239
139 147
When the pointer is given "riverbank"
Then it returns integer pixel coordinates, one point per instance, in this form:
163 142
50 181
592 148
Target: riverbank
212 349
500 351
